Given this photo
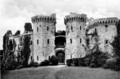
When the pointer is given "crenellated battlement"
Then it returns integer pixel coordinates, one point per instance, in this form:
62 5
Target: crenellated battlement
103 21
38 18
75 17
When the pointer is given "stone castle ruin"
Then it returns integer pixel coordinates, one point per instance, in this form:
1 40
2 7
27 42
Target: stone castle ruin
81 37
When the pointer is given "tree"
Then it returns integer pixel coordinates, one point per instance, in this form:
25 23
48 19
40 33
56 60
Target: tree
8 53
26 50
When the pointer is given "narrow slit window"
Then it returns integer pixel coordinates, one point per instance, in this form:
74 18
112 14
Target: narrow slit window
71 28
37 58
48 41
71 41
80 40
106 41
106 26
47 28
37 41
37 29
80 27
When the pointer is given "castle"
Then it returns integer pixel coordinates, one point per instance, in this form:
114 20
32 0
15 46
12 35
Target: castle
82 36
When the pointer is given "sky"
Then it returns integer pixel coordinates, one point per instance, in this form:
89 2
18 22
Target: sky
14 13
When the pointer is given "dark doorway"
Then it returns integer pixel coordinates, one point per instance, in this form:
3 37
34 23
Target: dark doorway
60 54
60 42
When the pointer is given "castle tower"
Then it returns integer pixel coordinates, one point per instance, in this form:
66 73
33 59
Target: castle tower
106 31
75 35
43 36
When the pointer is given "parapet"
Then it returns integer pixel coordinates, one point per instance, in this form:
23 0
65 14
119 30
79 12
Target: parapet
75 17
44 18
103 21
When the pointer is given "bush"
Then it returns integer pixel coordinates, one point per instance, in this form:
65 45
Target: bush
75 62
101 59
69 62
19 67
81 62
97 59
35 64
72 62
44 63
113 64
87 60
53 60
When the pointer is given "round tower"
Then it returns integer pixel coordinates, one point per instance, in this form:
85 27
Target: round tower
75 35
43 36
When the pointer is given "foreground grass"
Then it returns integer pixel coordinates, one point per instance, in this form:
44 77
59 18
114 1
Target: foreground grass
58 72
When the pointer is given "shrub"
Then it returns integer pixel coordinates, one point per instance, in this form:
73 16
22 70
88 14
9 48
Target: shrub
35 64
53 60
44 63
75 61
112 63
86 60
81 62
69 62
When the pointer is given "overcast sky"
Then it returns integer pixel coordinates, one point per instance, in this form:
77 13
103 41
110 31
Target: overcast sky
14 13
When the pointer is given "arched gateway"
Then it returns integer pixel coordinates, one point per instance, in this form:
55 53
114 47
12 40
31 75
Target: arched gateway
60 42
60 54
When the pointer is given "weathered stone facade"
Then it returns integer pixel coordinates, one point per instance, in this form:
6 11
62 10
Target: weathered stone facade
75 35
43 37
102 32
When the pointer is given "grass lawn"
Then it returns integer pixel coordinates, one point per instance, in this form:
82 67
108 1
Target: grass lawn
61 72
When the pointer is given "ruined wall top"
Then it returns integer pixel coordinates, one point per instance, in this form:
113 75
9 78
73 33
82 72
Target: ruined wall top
44 18
103 21
75 17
